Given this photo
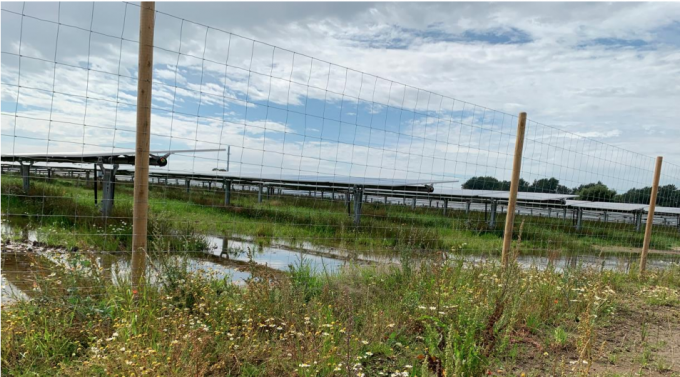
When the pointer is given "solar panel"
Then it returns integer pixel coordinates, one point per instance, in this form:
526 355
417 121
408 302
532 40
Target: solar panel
348 180
462 193
610 206
530 196
668 210
570 203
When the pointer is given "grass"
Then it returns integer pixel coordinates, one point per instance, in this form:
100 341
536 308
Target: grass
443 318
433 318
69 217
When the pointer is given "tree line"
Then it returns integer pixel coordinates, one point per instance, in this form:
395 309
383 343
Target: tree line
668 196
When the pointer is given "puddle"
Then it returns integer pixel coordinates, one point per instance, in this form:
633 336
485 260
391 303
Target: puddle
276 257
226 256
23 233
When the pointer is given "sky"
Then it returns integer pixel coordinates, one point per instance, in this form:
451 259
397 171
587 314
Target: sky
389 90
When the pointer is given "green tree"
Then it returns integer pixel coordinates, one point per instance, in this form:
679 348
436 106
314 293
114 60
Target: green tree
595 192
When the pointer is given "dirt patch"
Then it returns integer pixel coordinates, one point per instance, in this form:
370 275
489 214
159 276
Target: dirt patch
642 339
638 339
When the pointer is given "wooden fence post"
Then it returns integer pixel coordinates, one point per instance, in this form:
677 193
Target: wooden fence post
141 189
514 185
650 215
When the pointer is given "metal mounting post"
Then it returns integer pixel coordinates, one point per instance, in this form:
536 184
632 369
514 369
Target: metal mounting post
227 192
638 221
108 188
579 218
358 195
492 217
26 175
259 193
446 205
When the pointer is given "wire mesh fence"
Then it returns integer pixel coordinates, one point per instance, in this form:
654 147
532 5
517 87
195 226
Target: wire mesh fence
312 158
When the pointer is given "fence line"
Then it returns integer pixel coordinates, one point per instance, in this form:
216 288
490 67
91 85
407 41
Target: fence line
70 84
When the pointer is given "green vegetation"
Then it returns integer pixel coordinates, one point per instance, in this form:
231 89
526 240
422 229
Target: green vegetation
440 318
432 318
64 214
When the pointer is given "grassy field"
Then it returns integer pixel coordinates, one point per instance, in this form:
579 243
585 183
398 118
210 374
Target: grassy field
64 213
444 318
441 317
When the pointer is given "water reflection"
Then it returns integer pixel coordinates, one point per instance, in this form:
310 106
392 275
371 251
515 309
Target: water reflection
277 257
226 258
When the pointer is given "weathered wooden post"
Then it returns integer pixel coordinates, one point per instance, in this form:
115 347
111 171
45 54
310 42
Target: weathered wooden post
514 185
650 215
141 189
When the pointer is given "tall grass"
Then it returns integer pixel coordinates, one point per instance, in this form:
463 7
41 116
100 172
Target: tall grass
442 316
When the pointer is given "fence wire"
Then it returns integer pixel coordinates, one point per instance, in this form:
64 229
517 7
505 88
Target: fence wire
284 123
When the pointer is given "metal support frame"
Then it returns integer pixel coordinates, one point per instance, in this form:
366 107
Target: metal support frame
579 218
492 217
347 203
108 188
259 193
358 196
565 213
467 206
413 205
95 184
26 175
227 192
446 205
187 183
638 221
